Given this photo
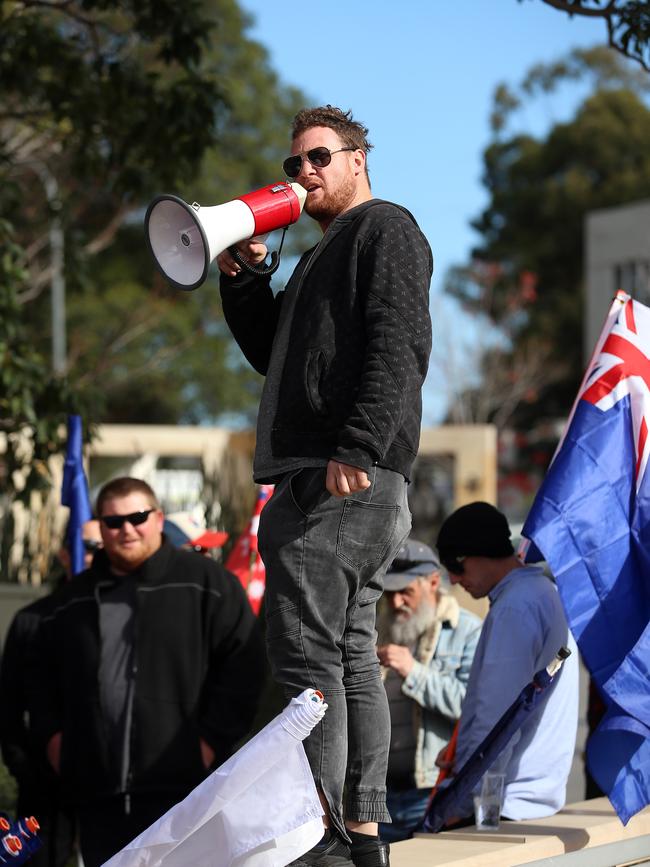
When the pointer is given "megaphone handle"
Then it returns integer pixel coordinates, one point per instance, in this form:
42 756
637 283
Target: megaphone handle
259 270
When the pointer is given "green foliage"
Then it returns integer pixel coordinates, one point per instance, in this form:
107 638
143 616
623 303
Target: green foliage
33 403
527 274
88 78
598 67
104 106
165 356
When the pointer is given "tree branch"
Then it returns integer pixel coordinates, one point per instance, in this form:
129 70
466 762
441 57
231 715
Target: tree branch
65 6
104 238
158 360
576 8
38 285
633 42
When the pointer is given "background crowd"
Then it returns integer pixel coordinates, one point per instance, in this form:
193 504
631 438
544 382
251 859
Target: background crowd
124 687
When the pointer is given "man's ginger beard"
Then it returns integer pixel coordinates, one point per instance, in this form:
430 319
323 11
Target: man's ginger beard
395 629
333 202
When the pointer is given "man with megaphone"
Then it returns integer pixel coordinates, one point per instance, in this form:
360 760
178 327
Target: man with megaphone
345 350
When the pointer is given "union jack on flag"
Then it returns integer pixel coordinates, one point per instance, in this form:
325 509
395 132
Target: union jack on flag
623 368
591 522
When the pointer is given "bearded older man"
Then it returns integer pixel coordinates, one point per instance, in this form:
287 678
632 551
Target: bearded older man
426 645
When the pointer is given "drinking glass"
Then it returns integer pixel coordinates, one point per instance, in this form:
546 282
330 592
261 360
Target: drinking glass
488 802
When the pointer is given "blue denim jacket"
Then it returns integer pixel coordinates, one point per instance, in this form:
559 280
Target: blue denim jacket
438 681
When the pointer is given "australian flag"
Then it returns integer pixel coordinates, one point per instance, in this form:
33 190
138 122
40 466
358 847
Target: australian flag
591 523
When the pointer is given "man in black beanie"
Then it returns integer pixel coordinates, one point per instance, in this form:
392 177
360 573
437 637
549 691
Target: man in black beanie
523 631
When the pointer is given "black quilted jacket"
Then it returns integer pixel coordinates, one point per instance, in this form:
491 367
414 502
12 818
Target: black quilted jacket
198 668
359 342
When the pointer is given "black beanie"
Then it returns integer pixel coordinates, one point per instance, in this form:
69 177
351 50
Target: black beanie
475 530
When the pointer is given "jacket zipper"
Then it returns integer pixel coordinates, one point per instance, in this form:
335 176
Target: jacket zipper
127 772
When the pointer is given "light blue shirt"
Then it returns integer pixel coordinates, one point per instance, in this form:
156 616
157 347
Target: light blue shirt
523 631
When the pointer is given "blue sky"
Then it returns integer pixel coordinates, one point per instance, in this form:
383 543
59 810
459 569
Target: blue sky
421 74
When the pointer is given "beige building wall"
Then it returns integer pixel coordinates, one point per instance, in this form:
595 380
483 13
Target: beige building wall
207 443
617 256
225 461
224 457
473 449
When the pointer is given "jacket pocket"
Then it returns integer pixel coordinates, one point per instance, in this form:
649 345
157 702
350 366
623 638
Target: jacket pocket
315 371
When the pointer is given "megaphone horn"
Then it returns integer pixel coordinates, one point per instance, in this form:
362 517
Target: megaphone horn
184 239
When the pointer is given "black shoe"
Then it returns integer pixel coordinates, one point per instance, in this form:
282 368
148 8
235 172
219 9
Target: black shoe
374 853
330 852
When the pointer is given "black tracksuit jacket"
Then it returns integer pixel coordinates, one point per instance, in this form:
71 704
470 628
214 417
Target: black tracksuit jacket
198 670
359 340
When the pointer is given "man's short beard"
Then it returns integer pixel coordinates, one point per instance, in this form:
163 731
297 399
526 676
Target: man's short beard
392 630
333 203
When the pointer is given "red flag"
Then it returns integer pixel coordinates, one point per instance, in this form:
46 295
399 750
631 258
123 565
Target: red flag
244 559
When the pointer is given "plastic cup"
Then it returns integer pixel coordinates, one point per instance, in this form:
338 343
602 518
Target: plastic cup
488 802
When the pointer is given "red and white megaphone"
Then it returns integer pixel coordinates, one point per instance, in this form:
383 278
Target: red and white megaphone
184 239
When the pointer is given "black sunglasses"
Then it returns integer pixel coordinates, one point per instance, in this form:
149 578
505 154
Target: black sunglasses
115 522
318 157
92 545
453 564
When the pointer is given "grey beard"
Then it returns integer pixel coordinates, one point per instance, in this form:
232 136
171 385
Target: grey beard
405 632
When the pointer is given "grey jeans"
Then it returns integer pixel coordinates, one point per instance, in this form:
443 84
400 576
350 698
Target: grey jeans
325 560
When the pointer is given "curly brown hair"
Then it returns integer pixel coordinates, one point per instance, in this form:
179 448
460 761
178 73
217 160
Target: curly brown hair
353 133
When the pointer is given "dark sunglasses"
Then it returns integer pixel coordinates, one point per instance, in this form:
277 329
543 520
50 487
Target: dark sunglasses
318 157
115 522
453 564
92 545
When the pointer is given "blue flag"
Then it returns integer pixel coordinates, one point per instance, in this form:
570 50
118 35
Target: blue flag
450 800
591 522
74 494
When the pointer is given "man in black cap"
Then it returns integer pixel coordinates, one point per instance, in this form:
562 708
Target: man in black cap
426 645
523 631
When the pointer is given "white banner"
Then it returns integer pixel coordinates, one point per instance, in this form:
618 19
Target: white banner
259 809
